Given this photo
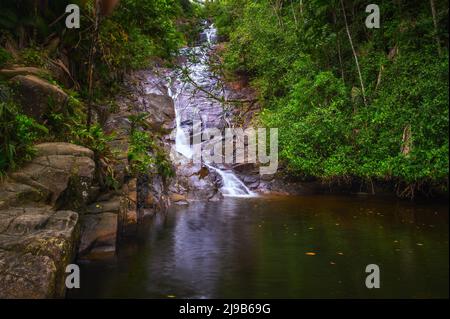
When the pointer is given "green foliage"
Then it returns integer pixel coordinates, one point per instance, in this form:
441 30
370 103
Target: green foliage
189 22
139 152
154 19
298 56
163 164
5 57
33 57
93 138
18 132
314 145
61 119
136 32
138 120
414 94
124 50
144 155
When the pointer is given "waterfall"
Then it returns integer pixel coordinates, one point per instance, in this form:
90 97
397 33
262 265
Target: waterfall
211 34
187 103
182 139
232 185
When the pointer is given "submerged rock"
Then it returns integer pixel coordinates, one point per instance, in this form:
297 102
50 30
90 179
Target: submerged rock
178 199
100 227
99 232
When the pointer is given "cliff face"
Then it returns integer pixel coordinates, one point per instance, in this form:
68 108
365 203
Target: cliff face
37 238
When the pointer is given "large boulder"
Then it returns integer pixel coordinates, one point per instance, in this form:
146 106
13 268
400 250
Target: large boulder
55 166
37 96
47 149
196 183
36 245
13 194
59 69
23 70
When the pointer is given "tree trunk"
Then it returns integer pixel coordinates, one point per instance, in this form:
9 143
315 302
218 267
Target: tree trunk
277 8
379 77
435 23
295 16
363 91
338 43
92 52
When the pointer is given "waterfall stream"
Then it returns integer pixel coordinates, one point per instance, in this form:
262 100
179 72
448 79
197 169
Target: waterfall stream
190 105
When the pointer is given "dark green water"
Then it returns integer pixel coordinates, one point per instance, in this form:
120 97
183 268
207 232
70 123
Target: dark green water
257 248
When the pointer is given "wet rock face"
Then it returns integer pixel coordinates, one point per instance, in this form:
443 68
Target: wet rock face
152 196
195 183
37 239
249 174
252 181
146 93
140 196
160 110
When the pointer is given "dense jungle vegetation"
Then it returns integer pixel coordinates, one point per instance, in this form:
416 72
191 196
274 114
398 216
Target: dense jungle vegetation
94 58
351 103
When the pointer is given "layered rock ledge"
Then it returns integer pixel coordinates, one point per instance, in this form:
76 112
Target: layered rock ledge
38 238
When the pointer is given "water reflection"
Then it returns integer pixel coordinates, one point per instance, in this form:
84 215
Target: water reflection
297 247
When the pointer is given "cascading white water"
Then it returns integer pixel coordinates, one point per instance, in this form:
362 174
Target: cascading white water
179 90
182 140
211 34
232 185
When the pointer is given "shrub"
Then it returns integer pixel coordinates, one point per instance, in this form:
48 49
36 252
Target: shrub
5 57
18 132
